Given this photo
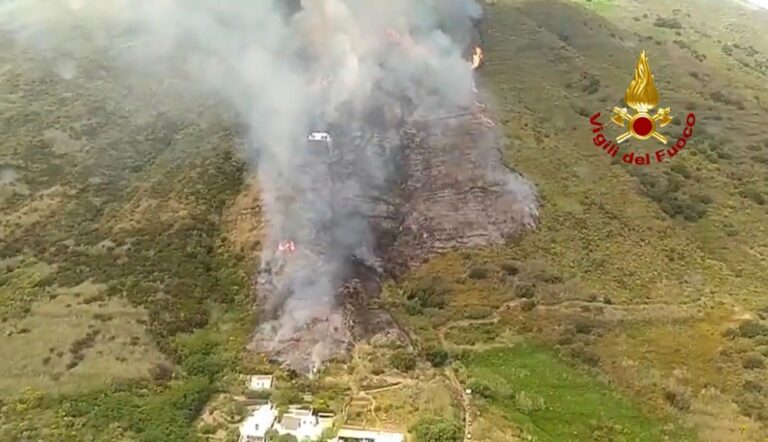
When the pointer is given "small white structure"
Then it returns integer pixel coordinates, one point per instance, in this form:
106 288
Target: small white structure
303 424
260 382
347 434
319 136
256 425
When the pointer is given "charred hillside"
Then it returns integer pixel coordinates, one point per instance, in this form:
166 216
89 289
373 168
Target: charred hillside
408 166
459 192
452 189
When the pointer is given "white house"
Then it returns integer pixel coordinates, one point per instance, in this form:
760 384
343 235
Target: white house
255 426
260 382
303 424
347 434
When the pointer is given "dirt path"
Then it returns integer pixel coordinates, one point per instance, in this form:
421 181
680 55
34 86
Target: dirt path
384 388
615 312
612 311
360 392
459 389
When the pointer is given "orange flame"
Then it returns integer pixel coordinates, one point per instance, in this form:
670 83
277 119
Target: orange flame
286 246
477 57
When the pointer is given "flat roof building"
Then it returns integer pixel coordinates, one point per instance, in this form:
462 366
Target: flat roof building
347 434
256 425
260 382
303 424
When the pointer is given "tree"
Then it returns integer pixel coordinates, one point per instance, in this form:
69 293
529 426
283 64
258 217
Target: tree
272 436
437 429
437 356
285 397
403 360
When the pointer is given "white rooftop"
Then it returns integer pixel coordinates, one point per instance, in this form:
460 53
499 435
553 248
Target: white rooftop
260 382
259 421
302 423
376 435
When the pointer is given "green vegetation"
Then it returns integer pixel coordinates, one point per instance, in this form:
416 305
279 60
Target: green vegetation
438 357
122 296
436 429
403 360
666 190
120 300
634 272
554 402
474 334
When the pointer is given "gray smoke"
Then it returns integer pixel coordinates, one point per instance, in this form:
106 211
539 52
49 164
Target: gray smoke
329 65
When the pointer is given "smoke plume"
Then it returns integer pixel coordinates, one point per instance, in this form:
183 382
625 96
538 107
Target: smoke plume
287 69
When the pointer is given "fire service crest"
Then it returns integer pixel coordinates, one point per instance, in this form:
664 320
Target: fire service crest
642 97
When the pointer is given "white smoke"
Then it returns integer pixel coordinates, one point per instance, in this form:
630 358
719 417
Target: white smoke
286 73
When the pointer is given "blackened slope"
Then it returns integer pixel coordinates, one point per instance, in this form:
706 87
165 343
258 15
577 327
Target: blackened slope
458 193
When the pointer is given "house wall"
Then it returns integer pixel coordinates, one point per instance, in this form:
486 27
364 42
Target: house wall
260 384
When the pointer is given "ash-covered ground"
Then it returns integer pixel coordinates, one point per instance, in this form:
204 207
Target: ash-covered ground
411 169
450 189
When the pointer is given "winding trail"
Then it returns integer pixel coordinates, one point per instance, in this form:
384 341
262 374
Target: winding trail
360 392
611 311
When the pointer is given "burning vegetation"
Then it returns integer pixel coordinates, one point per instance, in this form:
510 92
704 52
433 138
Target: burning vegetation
439 168
365 129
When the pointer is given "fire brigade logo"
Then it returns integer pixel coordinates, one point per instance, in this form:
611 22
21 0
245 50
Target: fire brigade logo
642 96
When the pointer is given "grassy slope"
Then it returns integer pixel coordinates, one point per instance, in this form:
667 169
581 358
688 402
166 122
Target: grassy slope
620 279
97 184
554 402
114 266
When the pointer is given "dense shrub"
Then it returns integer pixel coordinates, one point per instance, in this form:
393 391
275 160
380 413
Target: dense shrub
161 372
477 312
403 360
478 272
677 396
753 406
527 305
749 329
751 386
438 357
584 355
259 394
753 361
431 292
585 325
272 436
720 97
527 403
480 388
681 169
667 22
510 268
285 397
754 195
437 429
525 290
666 191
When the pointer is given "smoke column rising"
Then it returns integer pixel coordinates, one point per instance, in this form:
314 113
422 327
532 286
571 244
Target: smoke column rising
286 73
